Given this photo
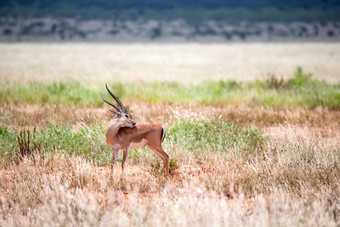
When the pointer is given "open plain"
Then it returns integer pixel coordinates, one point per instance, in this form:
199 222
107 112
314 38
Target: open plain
186 63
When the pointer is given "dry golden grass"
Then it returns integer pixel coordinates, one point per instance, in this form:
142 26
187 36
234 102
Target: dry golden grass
294 182
166 62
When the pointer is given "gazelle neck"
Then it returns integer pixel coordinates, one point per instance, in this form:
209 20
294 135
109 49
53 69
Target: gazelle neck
114 126
115 122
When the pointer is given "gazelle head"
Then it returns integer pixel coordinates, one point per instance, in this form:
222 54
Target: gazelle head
121 112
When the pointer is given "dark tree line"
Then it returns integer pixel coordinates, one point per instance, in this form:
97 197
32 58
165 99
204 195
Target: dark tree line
174 4
194 11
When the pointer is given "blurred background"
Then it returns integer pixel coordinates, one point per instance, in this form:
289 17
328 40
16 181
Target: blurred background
170 21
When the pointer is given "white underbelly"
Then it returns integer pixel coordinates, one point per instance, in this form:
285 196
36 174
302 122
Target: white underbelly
115 146
140 144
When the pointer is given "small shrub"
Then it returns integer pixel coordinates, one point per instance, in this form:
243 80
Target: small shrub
3 131
157 166
173 165
300 79
26 143
274 83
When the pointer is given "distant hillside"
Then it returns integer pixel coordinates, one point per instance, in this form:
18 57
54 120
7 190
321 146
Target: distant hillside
193 11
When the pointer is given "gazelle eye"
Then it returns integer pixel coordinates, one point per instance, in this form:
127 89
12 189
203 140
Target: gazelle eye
126 116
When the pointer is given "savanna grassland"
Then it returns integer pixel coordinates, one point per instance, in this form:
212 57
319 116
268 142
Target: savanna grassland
253 132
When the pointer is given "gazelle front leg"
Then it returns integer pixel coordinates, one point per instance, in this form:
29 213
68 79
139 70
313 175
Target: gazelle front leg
114 158
125 154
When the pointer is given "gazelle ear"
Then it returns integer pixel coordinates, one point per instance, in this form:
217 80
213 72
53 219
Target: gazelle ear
115 112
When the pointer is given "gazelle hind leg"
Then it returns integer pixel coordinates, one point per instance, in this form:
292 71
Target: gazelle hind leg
163 155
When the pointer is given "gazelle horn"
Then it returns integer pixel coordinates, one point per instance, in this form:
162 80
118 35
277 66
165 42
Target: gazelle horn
111 104
117 100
